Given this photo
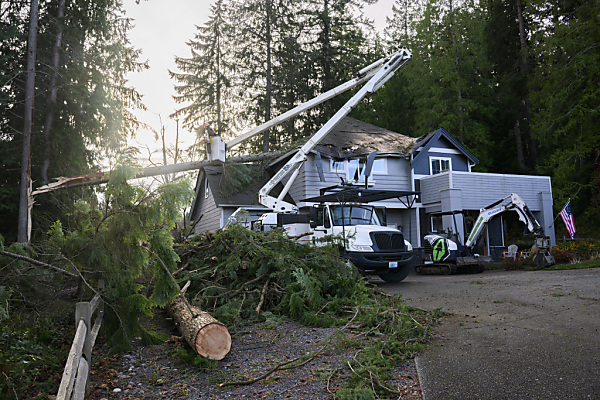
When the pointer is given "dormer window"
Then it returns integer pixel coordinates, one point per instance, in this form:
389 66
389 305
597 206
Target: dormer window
439 164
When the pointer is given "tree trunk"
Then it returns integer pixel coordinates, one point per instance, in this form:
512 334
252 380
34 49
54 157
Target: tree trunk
26 202
97 178
459 101
208 337
53 90
268 91
519 145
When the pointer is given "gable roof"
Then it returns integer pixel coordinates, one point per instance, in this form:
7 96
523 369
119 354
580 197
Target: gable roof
351 138
425 142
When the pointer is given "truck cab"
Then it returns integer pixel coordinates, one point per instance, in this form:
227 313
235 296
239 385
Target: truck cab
372 247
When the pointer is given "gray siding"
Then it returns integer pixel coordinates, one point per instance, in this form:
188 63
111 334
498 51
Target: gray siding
481 189
308 183
406 221
211 221
421 163
478 190
432 186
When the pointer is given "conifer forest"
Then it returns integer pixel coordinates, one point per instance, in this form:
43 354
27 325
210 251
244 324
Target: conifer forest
515 81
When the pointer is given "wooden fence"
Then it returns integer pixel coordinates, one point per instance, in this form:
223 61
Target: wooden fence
74 384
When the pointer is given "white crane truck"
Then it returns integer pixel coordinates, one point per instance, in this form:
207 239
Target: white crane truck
341 210
444 254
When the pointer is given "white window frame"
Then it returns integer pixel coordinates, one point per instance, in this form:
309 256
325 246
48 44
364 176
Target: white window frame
432 159
378 168
206 188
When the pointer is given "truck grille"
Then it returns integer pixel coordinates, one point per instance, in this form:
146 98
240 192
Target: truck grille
388 241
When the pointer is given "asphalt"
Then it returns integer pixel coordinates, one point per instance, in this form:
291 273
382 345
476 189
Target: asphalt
510 335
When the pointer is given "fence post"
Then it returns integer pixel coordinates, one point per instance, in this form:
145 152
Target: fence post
83 311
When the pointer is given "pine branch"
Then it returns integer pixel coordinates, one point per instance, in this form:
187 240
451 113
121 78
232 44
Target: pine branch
38 263
279 367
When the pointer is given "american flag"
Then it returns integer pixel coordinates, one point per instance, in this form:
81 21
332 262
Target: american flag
567 217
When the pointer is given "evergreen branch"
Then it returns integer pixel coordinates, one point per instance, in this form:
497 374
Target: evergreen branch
246 284
114 213
80 275
262 296
38 263
279 367
161 262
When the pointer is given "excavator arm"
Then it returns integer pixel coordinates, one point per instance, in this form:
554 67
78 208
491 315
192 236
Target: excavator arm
516 204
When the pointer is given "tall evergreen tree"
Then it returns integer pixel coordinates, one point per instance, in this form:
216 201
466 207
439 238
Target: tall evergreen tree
448 83
92 113
565 98
204 83
339 44
507 46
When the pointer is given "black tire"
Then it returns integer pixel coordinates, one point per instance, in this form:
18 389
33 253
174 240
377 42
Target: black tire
396 276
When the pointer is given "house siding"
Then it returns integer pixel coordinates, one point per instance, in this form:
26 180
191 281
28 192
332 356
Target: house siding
480 189
459 161
211 220
432 186
308 183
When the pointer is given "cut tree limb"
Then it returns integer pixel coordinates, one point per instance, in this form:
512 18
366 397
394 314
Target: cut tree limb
208 337
97 178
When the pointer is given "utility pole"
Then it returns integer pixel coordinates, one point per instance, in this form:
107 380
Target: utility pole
26 199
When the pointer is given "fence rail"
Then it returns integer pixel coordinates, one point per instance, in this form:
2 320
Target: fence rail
75 384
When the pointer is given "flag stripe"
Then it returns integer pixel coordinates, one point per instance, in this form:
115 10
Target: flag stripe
567 217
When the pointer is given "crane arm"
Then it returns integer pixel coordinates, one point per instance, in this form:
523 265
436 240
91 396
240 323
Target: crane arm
381 75
362 76
516 204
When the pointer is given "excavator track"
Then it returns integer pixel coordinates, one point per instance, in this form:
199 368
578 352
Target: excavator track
449 269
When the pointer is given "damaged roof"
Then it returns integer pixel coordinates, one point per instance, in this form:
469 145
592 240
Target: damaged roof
351 138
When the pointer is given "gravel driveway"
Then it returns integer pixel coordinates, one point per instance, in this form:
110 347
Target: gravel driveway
155 372
511 335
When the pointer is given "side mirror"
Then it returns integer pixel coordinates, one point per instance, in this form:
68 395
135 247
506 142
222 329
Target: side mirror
312 213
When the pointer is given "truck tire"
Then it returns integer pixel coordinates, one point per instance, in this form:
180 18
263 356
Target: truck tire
396 276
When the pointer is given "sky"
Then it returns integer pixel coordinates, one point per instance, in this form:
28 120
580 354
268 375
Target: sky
161 30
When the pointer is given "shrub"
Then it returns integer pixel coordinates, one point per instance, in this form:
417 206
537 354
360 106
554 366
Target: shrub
577 251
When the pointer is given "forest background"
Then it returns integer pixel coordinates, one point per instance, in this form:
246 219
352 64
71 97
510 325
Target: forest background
514 80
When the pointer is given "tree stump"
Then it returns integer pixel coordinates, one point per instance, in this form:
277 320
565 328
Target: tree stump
208 337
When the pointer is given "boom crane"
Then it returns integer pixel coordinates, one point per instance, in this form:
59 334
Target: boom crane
384 70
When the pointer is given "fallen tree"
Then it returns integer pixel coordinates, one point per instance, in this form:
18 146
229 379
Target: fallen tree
97 178
208 337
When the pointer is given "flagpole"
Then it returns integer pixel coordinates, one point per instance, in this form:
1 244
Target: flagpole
559 213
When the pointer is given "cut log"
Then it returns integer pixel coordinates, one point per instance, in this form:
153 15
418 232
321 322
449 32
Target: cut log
208 337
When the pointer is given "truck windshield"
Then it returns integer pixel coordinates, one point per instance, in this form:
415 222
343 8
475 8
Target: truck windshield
354 215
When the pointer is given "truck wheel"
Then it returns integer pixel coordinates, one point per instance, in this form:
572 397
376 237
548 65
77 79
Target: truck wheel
396 276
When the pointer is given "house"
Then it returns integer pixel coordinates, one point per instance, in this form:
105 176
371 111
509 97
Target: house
436 165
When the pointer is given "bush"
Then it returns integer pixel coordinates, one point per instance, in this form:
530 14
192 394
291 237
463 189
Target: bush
577 251
31 356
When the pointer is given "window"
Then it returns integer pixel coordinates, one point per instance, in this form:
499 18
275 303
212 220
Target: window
354 169
439 164
206 188
354 215
323 218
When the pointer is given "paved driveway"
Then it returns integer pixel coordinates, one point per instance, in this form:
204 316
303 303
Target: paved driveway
511 335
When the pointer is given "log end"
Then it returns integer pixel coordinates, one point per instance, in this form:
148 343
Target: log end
213 341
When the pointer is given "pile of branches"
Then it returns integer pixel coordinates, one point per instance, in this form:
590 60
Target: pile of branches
239 275
244 277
